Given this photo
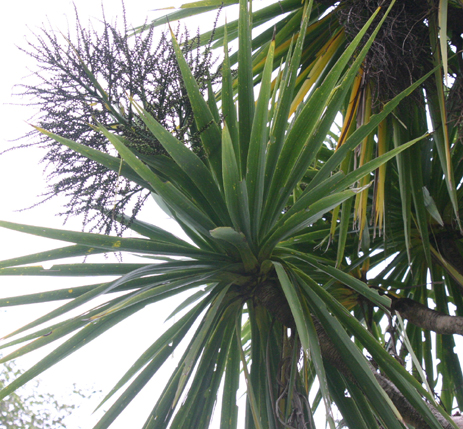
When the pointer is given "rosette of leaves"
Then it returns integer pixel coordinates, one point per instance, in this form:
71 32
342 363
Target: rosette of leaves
414 38
261 311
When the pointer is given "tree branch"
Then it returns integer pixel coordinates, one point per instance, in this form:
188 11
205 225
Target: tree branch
428 319
410 415
408 412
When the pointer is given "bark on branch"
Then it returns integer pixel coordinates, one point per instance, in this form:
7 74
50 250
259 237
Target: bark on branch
410 415
408 412
268 294
428 319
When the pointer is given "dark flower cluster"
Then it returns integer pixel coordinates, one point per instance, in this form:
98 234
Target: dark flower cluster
70 100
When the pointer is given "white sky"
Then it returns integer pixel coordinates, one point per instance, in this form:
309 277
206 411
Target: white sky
100 364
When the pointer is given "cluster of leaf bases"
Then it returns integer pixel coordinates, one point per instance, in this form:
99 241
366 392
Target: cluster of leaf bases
143 67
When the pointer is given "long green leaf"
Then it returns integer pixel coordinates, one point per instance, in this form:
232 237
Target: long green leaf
229 416
151 359
110 162
359 134
235 189
245 84
285 99
300 220
250 388
402 379
360 287
191 164
228 104
208 128
303 128
51 255
184 207
83 337
197 344
112 244
255 172
294 301
238 240
355 361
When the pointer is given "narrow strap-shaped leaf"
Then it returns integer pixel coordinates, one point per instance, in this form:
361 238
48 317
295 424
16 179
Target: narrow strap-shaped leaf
355 361
212 103
228 105
73 270
110 162
245 84
400 377
359 134
112 244
76 302
174 16
183 206
357 285
300 220
403 166
51 255
162 411
83 337
278 11
151 359
317 358
148 230
416 182
257 146
355 409
68 293
163 287
431 207
191 164
285 98
337 94
191 300
229 409
238 240
235 189
196 411
318 68
197 344
250 389
372 165
295 304
442 18
129 394
308 197
437 112
301 131
208 128
344 227
148 293
282 37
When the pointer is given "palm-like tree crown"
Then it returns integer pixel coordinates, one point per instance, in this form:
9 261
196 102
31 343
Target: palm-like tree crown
270 302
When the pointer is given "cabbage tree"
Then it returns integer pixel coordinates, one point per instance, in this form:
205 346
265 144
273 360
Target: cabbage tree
266 305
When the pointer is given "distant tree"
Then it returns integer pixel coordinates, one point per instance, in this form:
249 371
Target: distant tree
68 101
31 408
